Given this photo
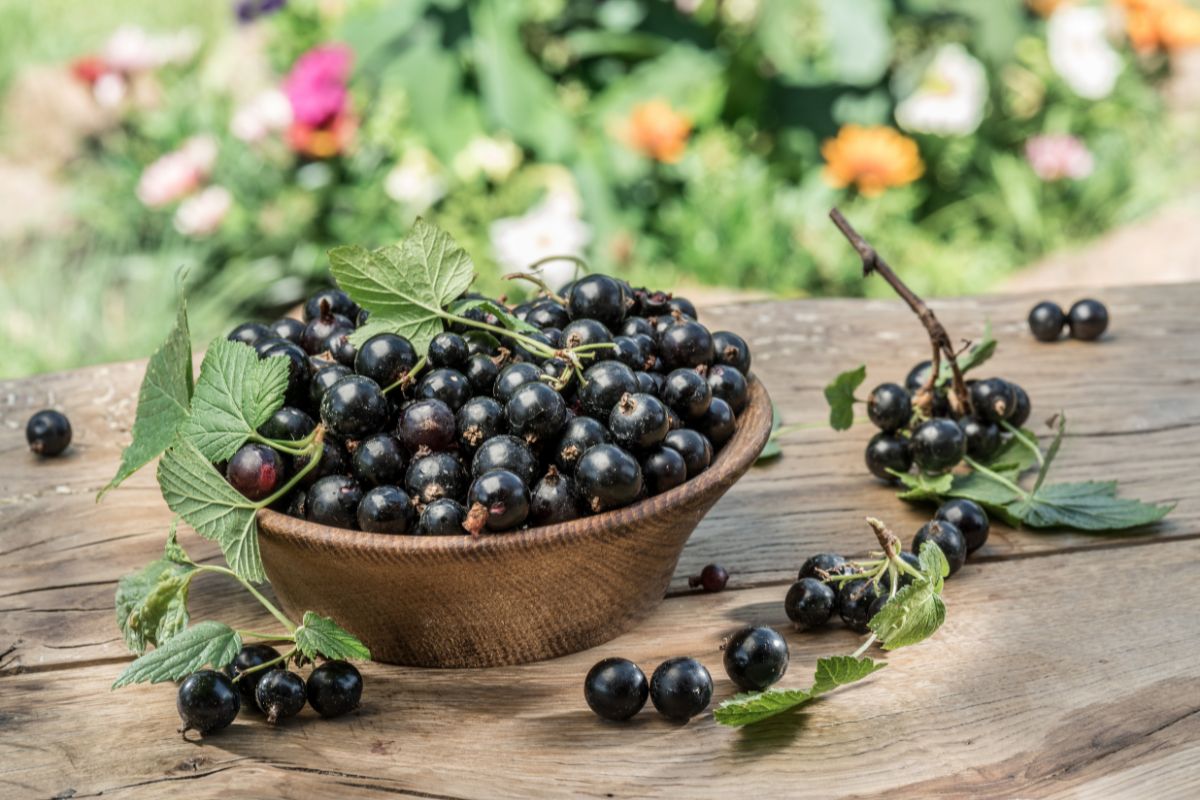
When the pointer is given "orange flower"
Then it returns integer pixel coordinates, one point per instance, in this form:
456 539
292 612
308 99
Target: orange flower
1045 7
872 158
325 141
658 131
1161 24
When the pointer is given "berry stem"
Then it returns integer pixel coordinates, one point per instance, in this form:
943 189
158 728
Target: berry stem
267 604
265 665
408 377
1029 444
266 637
538 282
316 450
995 476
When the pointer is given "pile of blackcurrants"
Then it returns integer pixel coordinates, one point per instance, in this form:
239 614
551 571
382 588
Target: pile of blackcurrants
481 434
210 700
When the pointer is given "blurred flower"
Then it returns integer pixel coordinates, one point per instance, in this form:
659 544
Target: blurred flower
551 228
1080 53
133 49
177 173
89 69
739 12
658 131
872 158
267 113
1046 7
247 11
324 142
1057 156
494 157
316 86
1161 24
203 213
688 6
417 181
110 90
951 96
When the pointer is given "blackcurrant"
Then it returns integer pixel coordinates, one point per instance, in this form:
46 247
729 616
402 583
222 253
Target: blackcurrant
535 412
918 376
755 658
448 385
298 367
731 349
333 500
829 563
632 326
341 348
695 448
479 419
448 350
887 451
324 379
711 579
983 438
663 468
854 603
355 407
608 477
501 500
553 499
890 407
334 461
337 301
1046 321
1088 319
730 385
547 314
481 343
993 399
970 519
718 423
680 688
947 537
604 383
443 517
687 393
426 423
386 509
638 421
280 695
250 333
513 377
630 352
482 372
616 689
256 471
685 344
379 461
938 445
319 329
597 297
683 306
288 424
1021 413
385 358
506 452
48 433
649 382
434 476
579 434
809 603
334 688
288 328
250 655
207 702
580 332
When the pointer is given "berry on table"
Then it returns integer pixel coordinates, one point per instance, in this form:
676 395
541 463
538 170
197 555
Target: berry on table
970 519
616 689
355 407
1046 321
887 451
207 702
809 603
854 602
280 695
680 688
256 471
949 540
48 433
334 688
1087 319
498 500
983 437
755 658
890 407
608 477
711 579
993 399
938 445
251 655
386 509
1023 410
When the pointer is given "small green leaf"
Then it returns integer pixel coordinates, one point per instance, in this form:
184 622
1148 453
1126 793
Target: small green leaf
506 317
321 636
923 487
205 643
195 491
236 393
752 707
151 603
838 671
173 550
163 401
933 563
772 449
1014 457
840 396
917 609
1091 506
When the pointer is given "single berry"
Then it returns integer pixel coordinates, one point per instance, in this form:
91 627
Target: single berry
712 578
379 461
638 421
829 563
938 445
755 658
948 538
685 344
448 350
809 603
1046 321
683 306
731 349
481 342
256 471
608 477
687 393
553 499
319 329
983 438
629 352
337 301
579 435
970 519
632 326
854 603
535 412
582 332
333 500
887 451
355 407
993 399
597 297
426 423
650 382
506 452
718 423
547 314
513 377
207 702
479 419
385 358
663 468
448 385
299 372
341 348
334 688
280 695
681 688
434 476
251 655
889 407
386 509
730 385
918 376
498 500
616 689
1088 319
288 328
1024 408
443 517
323 380
604 384
695 448
334 461
288 424
250 333
48 433
482 372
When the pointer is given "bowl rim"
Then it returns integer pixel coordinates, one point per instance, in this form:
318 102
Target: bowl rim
742 449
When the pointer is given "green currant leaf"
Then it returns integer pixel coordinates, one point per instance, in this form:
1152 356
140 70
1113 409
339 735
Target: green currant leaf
751 707
163 401
236 393
1014 457
772 449
173 550
506 317
205 643
321 636
840 396
195 491
838 671
151 603
923 487
933 563
917 609
1090 506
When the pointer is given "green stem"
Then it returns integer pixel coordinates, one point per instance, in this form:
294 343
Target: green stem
1020 436
538 282
533 345
269 637
289 448
579 262
407 377
267 604
998 478
264 665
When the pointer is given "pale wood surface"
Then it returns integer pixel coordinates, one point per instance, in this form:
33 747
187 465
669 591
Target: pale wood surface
1069 665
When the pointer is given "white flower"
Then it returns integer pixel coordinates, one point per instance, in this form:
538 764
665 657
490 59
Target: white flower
496 158
202 152
1054 157
269 112
110 90
178 173
203 213
133 49
1079 51
551 228
416 181
740 12
951 96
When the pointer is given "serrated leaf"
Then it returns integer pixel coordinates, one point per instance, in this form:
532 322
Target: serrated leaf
205 643
1090 506
923 487
163 401
751 707
838 671
1014 457
321 636
933 563
151 604
173 550
507 318
917 610
236 393
840 396
195 491
772 449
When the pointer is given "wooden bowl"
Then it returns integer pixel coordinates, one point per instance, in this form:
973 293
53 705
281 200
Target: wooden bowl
441 601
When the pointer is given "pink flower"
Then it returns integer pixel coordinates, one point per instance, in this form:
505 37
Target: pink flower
178 173
203 213
316 86
1057 156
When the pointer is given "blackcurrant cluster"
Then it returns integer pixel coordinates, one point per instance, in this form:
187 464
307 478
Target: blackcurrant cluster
1086 321
48 433
936 441
958 528
210 700
627 396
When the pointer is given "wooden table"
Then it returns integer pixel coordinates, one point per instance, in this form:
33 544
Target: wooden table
1069 664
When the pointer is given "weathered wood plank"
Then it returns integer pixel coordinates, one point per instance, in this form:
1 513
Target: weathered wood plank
1060 675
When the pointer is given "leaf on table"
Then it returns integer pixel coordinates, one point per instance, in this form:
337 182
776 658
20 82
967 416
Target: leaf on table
917 610
205 643
772 449
751 707
838 671
163 401
1090 506
151 603
923 487
1014 458
195 491
840 396
236 393
507 318
321 636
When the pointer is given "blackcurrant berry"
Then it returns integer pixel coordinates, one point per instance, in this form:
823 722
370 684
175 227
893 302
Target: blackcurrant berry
48 433
319 329
479 419
250 333
680 688
333 500
630 352
948 538
1021 413
687 393
444 517
711 579
604 384
755 658
334 461
288 328
513 377
1088 319
298 367
448 350
638 421
616 689
434 476
683 306
663 468
905 579
482 372
730 385
809 603
385 358
983 438
379 461
288 424
500 499
535 412
280 695
251 655
334 688
553 499
341 348
506 452
887 451
355 407
718 423
889 407
597 297
207 702
854 603
585 331
336 300
481 343
579 434
685 344
1046 321
448 385
256 471
993 399
608 477
632 326
970 519
324 379
732 350
938 445
386 509
547 314
695 448
426 423
829 563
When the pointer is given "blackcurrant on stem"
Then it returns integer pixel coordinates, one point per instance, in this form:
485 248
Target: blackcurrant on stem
532 345
266 664
314 452
409 376
1020 436
873 262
